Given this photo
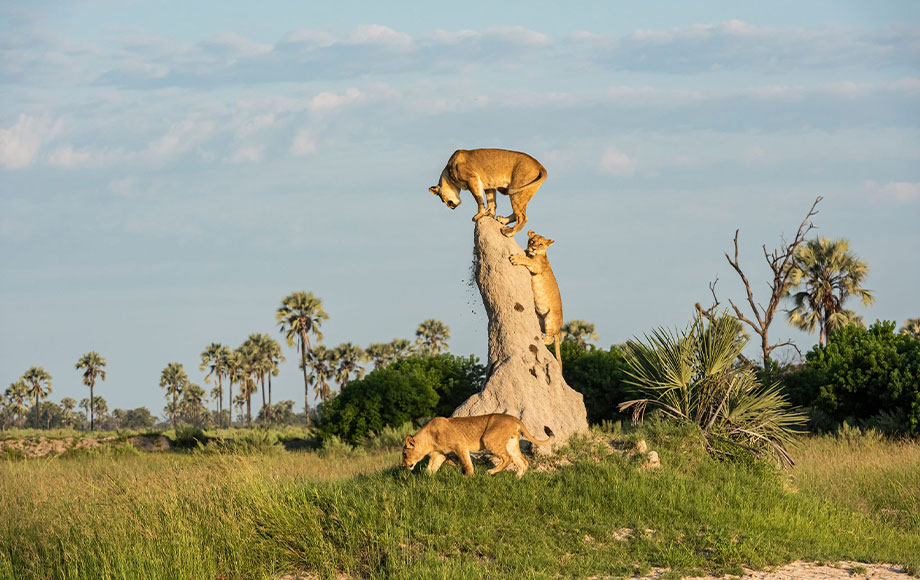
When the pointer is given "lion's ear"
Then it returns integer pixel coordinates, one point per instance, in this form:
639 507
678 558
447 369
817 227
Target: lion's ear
410 442
433 189
530 233
550 242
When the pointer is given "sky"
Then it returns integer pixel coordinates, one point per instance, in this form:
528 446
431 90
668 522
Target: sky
169 171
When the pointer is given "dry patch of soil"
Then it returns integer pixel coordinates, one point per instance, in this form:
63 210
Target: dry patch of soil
805 571
44 447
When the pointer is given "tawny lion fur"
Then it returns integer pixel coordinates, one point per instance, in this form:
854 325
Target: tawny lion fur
546 299
497 433
485 171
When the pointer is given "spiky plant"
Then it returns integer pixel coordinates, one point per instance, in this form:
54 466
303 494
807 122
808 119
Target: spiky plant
694 376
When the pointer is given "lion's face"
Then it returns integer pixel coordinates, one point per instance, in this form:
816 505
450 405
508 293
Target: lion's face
537 244
448 193
412 453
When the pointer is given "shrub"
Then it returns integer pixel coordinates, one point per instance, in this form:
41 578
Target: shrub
693 376
599 375
385 397
453 378
866 376
189 437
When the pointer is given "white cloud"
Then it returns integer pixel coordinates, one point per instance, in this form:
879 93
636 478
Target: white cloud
518 35
180 137
254 124
617 163
441 36
904 192
69 158
237 45
247 154
303 143
308 38
378 35
326 100
21 143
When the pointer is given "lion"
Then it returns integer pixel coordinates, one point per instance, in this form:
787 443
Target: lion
546 298
497 433
485 171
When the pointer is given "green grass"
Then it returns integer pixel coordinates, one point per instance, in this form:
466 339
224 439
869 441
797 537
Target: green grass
232 515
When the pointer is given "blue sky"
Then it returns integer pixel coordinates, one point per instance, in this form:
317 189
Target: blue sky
169 171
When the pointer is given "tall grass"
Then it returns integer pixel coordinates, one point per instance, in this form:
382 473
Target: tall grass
230 515
864 472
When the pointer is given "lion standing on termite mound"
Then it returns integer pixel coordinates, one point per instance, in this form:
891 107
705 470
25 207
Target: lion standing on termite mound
485 171
546 298
498 433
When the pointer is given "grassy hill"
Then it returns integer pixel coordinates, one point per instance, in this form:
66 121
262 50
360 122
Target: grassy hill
211 514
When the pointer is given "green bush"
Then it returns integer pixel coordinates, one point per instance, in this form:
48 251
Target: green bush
865 376
453 378
599 376
385 397
189 437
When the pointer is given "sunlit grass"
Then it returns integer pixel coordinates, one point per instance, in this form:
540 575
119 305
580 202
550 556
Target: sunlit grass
876 476
216 514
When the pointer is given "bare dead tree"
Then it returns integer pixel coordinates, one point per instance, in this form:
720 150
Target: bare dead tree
779 261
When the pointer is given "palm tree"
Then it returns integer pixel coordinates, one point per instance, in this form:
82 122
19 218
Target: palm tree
348 359
579 332
693 376
235 374
191 406
830 274
214 360
432 336
17 393
300 314
92 365
68 404
239 402
266 353
911 327
38 381
174 379
248 373
381 353
321 362
274 358
402 347
99 406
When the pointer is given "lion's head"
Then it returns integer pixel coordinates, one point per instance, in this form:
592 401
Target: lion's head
447 191
537 244
413 452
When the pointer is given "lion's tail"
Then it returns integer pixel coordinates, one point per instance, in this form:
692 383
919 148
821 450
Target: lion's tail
557 339
527 435
540 179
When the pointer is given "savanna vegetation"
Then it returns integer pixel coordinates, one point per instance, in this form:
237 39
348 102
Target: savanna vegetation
763 462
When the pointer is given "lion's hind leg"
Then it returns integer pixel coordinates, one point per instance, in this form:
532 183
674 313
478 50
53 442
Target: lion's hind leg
514 450
505 460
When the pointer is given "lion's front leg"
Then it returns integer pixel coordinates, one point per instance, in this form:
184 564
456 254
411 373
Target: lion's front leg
479 194
466 461
532 266
435 460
